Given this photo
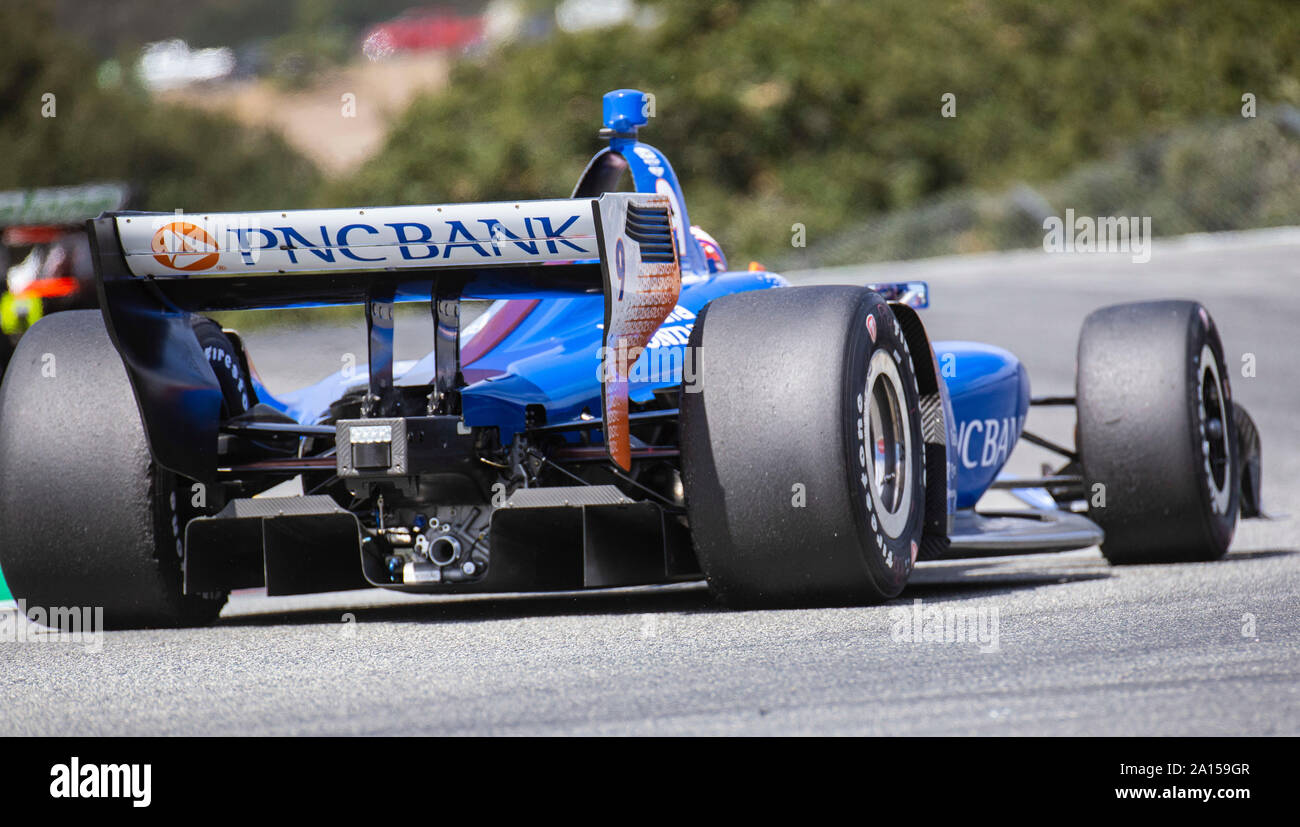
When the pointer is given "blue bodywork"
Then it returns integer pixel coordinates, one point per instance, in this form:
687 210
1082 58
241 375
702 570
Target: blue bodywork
547 354
990 398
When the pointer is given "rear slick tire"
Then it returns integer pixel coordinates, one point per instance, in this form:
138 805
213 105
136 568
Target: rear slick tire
86 518
803 460
1157 433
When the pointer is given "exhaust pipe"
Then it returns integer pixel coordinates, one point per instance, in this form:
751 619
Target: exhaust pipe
443 550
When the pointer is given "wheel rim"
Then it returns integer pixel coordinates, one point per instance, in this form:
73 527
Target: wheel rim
889 445
1215 452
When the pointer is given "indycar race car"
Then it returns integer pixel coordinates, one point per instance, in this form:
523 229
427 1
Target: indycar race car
627 411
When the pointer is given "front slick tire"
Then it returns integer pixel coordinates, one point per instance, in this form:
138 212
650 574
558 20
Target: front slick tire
1157 434
86 518
802 455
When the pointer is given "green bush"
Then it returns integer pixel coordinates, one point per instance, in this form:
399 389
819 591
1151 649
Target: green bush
178 157
823 113
1229 174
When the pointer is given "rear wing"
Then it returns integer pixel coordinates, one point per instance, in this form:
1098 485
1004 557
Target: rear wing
492 250
157 268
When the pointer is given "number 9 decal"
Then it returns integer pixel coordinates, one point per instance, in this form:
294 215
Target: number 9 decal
620 266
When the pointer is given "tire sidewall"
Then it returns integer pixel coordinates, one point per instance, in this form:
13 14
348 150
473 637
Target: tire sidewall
888 560
1202 333
236 389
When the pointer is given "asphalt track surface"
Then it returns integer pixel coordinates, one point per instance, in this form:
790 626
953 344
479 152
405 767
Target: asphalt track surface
1081 648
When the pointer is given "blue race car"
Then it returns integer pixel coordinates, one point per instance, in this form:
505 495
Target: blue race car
628 411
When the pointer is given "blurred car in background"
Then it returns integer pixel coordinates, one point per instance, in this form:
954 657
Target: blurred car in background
421 31
45 253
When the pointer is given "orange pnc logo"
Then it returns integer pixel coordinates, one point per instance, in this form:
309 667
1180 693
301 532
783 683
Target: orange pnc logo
181 245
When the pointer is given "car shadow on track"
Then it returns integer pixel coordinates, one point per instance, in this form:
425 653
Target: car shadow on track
949 581
468 609
1238 556
983 578
969 583
975 580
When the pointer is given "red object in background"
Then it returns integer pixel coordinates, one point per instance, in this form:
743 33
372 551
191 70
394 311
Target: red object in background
22 236
50 288
421 32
